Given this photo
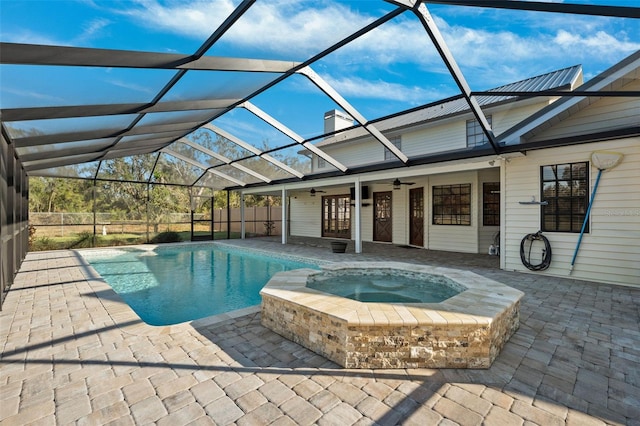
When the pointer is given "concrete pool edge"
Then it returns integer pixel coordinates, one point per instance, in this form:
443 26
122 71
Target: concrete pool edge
466 331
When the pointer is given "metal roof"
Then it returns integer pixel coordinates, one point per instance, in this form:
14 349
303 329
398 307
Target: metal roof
186 120
564 79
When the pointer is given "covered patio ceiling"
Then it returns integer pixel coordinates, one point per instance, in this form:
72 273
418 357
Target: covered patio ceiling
209 118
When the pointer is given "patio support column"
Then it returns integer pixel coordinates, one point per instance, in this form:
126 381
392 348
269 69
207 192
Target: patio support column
228 215
242 224
93 195
503 213
284 206
147 213
358 217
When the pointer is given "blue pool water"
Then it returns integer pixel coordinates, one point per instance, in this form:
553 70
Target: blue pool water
386 287
170 285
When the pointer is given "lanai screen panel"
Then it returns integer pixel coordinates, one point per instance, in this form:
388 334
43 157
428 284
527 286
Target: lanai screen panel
98 83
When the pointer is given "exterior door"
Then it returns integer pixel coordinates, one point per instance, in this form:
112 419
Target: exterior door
336 216
382 216
416 217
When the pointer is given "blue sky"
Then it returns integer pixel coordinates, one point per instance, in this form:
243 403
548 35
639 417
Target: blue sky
390 69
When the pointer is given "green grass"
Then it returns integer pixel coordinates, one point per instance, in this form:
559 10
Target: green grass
85 240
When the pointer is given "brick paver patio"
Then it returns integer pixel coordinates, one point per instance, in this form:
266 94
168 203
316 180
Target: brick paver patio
73 353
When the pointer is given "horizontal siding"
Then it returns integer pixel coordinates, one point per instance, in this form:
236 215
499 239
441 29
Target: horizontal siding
604 114
356 153
503 120
443 137
610 252
305 216
400 212
455 238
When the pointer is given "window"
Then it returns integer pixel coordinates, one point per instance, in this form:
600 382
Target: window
336 216
565 187
452 204
475 134
491 203
322 163
397 142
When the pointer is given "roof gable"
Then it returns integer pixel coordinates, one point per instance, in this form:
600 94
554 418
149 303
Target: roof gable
615 78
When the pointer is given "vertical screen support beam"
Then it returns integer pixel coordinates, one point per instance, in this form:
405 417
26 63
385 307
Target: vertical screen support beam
242 223
284 205
438 41
358 217
228 214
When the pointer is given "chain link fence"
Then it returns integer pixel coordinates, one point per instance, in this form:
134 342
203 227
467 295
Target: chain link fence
259 221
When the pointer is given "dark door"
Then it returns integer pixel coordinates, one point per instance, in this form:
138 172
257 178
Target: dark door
416 217
382 216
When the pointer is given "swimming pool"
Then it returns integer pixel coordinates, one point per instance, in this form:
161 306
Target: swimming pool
174 284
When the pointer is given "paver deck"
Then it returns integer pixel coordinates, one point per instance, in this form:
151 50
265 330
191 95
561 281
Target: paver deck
73 353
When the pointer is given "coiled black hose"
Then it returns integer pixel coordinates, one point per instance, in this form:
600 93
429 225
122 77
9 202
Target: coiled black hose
546 252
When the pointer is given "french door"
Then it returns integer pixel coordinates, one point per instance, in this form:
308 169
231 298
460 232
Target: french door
336 216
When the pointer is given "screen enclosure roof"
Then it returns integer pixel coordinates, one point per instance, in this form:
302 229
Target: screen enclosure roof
230 95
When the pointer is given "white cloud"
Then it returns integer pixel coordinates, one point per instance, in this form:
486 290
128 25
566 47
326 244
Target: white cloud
600 43
93 29
295 30
378 89
294 27
29 94
131 86
27 36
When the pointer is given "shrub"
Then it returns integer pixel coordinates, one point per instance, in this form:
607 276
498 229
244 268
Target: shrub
43 243
84 240
166 237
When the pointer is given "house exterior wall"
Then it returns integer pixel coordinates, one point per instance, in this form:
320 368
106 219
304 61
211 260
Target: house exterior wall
459 238
448 135
306 215
610 252
602 115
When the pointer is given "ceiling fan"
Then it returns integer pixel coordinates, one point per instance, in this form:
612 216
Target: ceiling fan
397 183
313 192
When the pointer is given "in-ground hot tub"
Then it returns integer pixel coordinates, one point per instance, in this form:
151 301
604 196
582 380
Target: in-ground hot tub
465 330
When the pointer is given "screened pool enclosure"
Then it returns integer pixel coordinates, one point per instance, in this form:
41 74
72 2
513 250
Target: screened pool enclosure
233 96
